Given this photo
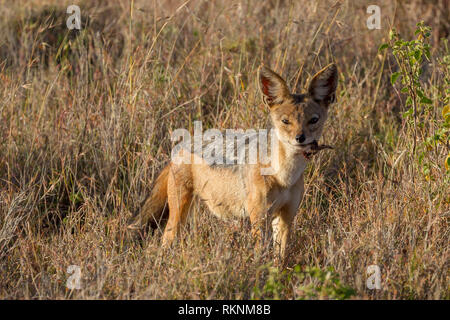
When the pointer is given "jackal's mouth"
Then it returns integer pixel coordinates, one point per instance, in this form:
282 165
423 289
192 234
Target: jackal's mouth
312 144
308 154
314 148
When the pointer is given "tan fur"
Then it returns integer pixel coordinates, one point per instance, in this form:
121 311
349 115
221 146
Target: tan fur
244 191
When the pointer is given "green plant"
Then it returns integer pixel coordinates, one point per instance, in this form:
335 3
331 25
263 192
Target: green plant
444 128
307 283
410 57
322 284
274 285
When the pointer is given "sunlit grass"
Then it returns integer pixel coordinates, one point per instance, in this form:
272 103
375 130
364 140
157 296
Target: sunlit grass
85 124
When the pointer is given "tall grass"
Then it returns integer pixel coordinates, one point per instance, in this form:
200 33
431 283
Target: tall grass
85 123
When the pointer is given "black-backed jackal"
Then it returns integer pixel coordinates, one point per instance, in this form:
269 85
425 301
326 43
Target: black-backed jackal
298 120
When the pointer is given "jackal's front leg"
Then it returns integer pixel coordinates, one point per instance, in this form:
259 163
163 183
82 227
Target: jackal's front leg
281 226
283 220
258 212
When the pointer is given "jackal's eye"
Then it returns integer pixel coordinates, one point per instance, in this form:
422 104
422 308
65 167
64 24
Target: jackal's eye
313 120
285 121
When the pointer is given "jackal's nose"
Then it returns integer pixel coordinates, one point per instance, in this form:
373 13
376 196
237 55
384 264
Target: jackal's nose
300 138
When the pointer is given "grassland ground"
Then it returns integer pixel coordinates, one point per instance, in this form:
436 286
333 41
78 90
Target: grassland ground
85 123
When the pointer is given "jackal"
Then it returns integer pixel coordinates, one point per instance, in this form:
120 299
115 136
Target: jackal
297 120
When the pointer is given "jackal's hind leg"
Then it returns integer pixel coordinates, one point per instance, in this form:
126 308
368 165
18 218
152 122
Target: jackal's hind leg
179 200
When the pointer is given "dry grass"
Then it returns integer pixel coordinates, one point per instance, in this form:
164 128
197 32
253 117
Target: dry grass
85 127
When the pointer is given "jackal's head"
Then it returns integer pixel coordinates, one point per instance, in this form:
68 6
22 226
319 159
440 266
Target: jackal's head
299 118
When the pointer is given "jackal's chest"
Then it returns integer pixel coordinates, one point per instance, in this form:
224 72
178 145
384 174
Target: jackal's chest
286 197
289 173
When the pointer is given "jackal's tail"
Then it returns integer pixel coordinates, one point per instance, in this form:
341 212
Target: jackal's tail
155 206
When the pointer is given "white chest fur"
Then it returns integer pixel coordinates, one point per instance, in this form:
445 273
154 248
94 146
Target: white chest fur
290 170
289 165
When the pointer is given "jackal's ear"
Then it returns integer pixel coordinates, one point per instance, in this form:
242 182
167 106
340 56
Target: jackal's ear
273 87
323 85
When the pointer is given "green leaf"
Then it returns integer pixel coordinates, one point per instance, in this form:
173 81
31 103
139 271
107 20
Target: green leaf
417 54
392 34
446 113
394 77
383 46
404 90
420 93
426 100
427 54
408 101
407 113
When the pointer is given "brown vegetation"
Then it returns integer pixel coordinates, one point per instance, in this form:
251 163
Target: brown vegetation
85 123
